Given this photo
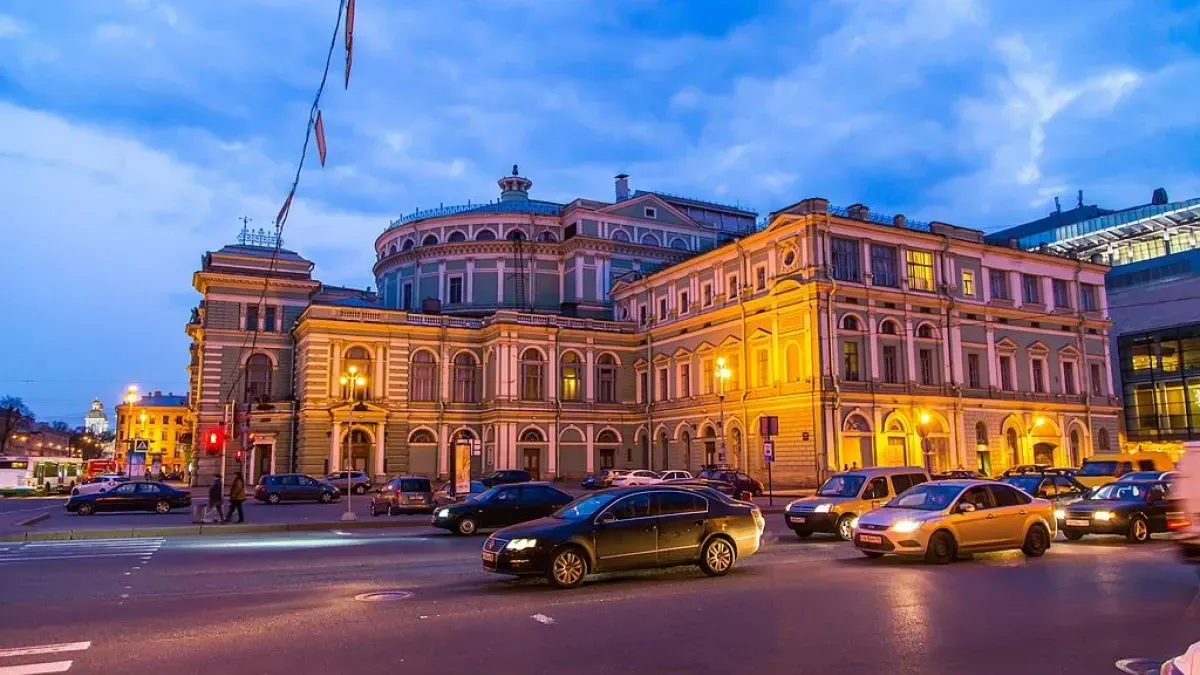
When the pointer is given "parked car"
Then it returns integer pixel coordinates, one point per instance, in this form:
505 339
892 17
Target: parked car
99 484
601 479
1104 468
629 528
721 486
846 496
294 487
1150 475
1133 509
941 519
742 481
131 496
675 474
350 481
1056 487
403 494
443 497
639 477
501 506
959 474
506 477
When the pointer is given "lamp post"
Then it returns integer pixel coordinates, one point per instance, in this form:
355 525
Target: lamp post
351 380
131 395
923 432
722 375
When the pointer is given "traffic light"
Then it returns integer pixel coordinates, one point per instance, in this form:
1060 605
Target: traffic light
214 440
237 454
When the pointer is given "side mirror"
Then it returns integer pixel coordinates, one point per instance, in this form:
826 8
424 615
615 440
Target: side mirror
966 507
606 518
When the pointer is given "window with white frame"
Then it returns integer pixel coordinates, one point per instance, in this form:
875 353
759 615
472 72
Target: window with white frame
650 212
1062 296
683 302
663 392
731 282
708 374
1070 385
643 384
454 295
760 277
762 367
1037 371
643 314
662 308
920 270
1006 373
685 380
706 295
1097 372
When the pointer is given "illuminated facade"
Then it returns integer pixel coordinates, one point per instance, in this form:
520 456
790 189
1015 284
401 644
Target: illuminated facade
565 338
164 422
96 420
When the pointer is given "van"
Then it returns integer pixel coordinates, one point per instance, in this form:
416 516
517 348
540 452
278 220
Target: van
1187 489
1100 469
846 496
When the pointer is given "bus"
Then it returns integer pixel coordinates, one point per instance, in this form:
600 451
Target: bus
39 475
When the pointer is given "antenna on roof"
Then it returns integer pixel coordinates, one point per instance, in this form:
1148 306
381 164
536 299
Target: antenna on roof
1080 204
1057 206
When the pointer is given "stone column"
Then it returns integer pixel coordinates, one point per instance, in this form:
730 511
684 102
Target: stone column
590 376
335 447
577 261
552 450
591 447
442 283
873 344
500 281
379 449
910 348
443 463
336 348
379 386
993 360
470 281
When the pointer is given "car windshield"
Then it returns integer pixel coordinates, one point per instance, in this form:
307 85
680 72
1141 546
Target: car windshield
1027 483
926 497
414 485
488 494
1098 469
584 507
1120 492
842 485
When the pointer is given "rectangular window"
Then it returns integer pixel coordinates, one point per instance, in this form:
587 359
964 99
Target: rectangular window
1097 389
707 375
1039 376
847 263
662 384
456 291
998 280
706 293
406 297
683 302
1087 298
883 266
762 368
1029 288
642 314
643 386
685 380
760 278
269 320
968 283
1069 378
662 308
178 420
891 364
732 283
973 379
166 419
850 371
1062 299
920 270
1006 376
650 212
607 458
251 317
925 359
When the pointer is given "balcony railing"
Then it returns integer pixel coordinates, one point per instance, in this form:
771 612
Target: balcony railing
536 208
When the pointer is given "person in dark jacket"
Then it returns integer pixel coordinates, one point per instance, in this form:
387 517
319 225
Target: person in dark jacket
237 495
215 496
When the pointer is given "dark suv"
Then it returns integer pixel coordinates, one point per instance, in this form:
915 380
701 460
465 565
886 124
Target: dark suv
403 494
294 487
505 477
740 481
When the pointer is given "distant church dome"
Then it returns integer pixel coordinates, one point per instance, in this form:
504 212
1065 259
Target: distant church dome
95 420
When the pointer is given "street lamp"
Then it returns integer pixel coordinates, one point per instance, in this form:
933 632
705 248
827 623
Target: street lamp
923 420
351 380
131 396
722 374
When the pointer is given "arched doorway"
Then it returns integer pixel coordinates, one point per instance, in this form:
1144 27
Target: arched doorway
664 447
1076 457
710 446
1013 445
359 450
858 450
533 444
735 447
606 449
983 455
685 439
895 452
1043 453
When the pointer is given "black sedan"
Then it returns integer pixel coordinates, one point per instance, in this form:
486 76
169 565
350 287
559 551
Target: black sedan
1058 488
506 477
501 506
629 528
1134 509
727 489
131 496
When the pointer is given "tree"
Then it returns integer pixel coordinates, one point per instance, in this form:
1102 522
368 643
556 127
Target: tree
59 425
14 416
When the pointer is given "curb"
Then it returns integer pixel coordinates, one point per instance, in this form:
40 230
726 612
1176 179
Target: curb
196 530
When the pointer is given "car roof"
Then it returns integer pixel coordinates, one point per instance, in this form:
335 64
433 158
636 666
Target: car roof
965 482
881 471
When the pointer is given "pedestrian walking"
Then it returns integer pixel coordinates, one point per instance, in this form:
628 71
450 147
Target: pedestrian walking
237 495
215 497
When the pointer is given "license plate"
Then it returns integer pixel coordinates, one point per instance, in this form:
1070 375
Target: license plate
870 539
1077 523
797 519
417 498
489 557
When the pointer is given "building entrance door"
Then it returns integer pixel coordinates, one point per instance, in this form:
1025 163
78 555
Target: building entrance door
1043 453
532 462
262 455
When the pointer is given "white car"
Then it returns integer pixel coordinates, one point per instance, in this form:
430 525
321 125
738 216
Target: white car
676 475
99 484
639 477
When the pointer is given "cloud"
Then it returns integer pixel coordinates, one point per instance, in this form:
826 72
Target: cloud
10 27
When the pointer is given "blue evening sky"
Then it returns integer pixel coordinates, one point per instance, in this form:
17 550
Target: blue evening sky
134 133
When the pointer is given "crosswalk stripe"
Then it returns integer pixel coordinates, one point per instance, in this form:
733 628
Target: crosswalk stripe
108 547
37 668
16 559
97 542
45 649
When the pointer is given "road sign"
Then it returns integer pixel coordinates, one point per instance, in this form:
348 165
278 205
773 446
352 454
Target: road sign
141 445
768 425
768 451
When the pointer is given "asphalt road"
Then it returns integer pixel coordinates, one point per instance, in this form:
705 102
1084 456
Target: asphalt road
285 604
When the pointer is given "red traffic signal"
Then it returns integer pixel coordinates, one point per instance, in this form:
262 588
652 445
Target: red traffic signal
237 455
214 439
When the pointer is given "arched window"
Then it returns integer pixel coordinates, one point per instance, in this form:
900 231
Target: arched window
456 236
849 322
392 249
546 236
735 438
888 327
664 445
649 240
532 436
1076 448
981 434
533 376
1102 440
464 379
421 436
925 331
516 235
606 379
258 378
571 379
1014 451
358 361
423 378
608 437
429 240
620 235
679 244
408 244
485 235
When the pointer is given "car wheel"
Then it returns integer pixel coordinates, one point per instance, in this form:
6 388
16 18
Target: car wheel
845 527
86 509
162 506
568 567
360 489
873 555
466 526
1037 540
803 534
1072 535
325 498
941 548
273 498
1139 530
717 557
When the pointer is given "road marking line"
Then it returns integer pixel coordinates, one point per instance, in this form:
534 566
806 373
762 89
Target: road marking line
18 559
37 668
542 618
77 545
45 649
92 542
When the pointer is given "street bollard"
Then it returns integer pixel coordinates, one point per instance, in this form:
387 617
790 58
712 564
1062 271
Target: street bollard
197 513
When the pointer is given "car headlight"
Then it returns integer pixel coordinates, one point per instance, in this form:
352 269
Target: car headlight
444 513
906 526
823 508
520 544
1103 515
1060 514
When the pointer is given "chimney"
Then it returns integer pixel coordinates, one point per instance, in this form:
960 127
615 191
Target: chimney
858 211
157 394
1057 206
622 187
1160 197
899 220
